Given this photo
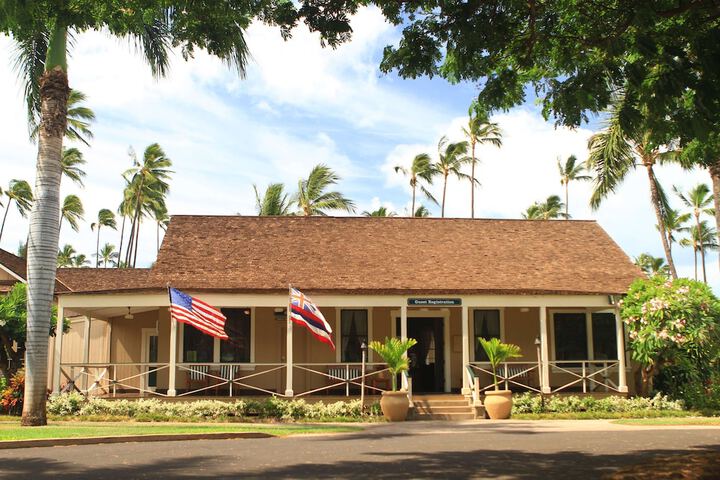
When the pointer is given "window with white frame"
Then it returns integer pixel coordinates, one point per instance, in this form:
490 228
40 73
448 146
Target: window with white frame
486 324
584 336
353 332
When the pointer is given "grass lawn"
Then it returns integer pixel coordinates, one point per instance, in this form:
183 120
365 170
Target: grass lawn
634 414
11 430
670 421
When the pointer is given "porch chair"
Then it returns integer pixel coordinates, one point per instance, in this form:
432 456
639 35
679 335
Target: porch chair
228 373
197 377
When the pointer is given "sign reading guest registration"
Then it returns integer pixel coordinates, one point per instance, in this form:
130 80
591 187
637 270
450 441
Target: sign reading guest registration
434 302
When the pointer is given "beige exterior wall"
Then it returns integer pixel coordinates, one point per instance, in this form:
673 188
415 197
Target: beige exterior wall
4 275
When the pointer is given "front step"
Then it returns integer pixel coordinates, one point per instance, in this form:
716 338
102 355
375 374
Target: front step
444 407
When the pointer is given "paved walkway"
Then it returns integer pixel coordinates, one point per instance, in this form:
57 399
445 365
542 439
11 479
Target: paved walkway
511 449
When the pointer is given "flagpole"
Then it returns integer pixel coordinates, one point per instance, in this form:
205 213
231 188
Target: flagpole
173 348
289 349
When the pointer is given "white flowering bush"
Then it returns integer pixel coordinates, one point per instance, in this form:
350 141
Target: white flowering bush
533 403
74 404
669 321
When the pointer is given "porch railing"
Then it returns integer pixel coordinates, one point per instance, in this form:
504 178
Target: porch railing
104 378
345 376
595 374
525 375
214 376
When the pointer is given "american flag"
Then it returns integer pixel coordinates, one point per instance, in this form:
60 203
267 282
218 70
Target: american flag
304 312
197 313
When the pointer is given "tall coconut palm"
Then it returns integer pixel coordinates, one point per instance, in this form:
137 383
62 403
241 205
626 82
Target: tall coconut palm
479 131
72 212
614 153
79 118
702 239
380 212
673 223
421 212
313 198
72 158
147 182
421 170
451 158
550 209
571 171
652 266
700 201
108 255
275 201
105 218
20 192
162 220
125 211
66 256
80 261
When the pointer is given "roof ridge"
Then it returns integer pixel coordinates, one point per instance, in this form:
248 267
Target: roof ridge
395 218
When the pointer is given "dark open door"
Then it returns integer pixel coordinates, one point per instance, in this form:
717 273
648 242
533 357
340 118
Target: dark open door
427 357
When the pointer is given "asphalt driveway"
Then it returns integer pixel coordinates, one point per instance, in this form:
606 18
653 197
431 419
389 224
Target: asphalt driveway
511 449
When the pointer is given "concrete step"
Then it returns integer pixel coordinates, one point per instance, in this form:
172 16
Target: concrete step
445 416
442 403
443 409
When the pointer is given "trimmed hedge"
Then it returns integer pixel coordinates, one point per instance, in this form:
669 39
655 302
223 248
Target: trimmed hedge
533 403
74 404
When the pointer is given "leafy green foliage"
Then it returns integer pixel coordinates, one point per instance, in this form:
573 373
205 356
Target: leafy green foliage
313 198
392 351
652 266
670 322
275 201
550 209
533 403
498 352
11 398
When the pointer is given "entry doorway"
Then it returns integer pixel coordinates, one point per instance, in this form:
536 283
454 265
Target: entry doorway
149 354
427 356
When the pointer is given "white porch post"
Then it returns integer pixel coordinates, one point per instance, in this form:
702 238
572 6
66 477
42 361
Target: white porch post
544 351
86 349
57 358
289 357
403 336
466 387
172 391
620 336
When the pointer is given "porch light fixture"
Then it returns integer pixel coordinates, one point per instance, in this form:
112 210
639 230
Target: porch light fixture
280 314
129 316
537 341
524 309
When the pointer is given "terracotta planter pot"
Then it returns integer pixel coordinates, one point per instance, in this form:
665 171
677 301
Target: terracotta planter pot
498 404
395 406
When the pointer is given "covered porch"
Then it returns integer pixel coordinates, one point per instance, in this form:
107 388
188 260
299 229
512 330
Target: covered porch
127 345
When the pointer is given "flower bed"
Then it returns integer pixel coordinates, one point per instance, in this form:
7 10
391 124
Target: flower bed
532 403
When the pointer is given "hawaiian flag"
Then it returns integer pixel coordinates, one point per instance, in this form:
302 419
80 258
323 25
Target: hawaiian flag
197 313
304 312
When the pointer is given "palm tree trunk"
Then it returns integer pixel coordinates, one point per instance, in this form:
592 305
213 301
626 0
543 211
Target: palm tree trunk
157 237
695 255
442 214
122 234
715 177
472 183
700 246
655 198
567 202
137 243
5 218
97 248
44 226
412 210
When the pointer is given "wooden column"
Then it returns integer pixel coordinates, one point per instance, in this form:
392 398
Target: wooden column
403 336
466 387
544 351
620 336
172 391
289 357
86 350
57 357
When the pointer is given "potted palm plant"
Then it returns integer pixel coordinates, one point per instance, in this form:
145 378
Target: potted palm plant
394 404
498 403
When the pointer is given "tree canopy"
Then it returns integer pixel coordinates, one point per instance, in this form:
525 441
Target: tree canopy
574 54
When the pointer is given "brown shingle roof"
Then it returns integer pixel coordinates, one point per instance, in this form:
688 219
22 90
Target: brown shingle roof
13 263
376 255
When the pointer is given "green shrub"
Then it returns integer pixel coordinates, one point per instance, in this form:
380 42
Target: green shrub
74 404
534 403
11 397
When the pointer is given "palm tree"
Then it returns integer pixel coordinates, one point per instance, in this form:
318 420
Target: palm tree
550 209
22 194
312 197
105 218
452 156
479 130
80 261
702 238
41 36
79 119
162 220
615 152
274 201
380 212
72 211
125 211
22 250
673 222
65 257
108 255
421 170
72 158
421 211
569 171
148 187
700 201
652 266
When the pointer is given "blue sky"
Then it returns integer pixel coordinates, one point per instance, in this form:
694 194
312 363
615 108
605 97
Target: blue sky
301 105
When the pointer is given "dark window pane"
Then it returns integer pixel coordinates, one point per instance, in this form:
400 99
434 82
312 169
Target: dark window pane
353 331
604 338
237 328
570 336
197 346
487 326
